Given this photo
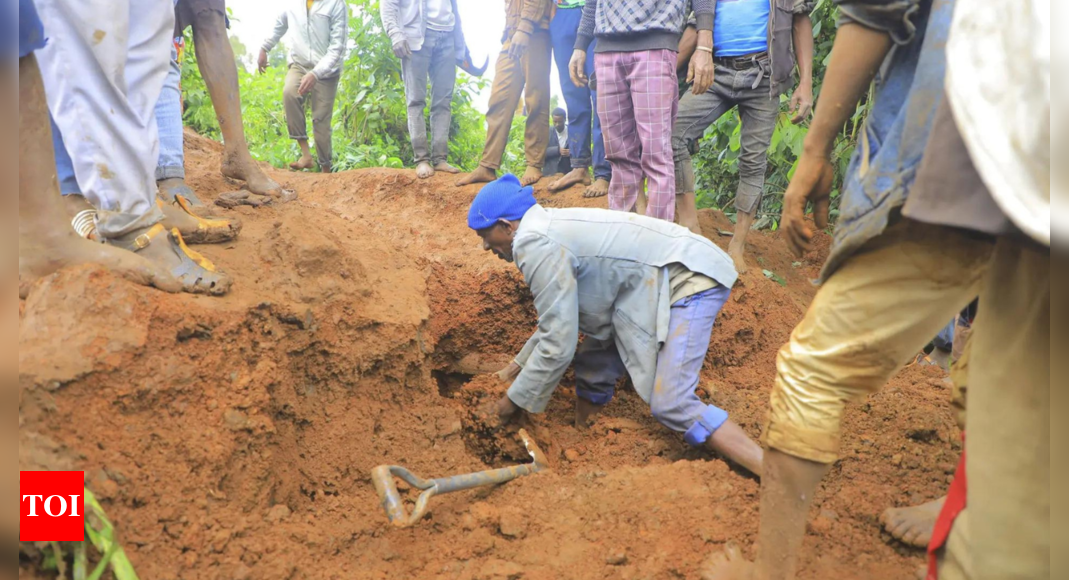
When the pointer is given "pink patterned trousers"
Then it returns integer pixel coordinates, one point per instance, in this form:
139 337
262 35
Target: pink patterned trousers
637 99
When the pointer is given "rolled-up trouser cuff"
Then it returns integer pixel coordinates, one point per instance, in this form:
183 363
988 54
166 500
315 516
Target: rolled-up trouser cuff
748 196
684 174
817 446
170 172
711 419
594 397
113 224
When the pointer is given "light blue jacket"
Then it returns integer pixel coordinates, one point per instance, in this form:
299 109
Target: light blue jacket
602 273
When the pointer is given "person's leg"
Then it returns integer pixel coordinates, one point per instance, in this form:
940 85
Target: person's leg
293 103
110 130
504 98
323 95
617 112
46 240
170 169
674 402
655 93
414 71
443 83
758 113
597 367
537 69
563 30
602 169
696 113
1009 410
215 59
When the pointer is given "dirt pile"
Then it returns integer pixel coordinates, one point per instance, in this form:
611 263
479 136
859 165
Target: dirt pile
233 438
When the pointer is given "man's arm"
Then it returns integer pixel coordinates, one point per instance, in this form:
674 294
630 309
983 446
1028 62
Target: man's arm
585 34
700 72
281 26
687 43
532 13
802 99
550 272
339 32
390 13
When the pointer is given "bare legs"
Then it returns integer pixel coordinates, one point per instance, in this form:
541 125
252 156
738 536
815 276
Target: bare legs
737 247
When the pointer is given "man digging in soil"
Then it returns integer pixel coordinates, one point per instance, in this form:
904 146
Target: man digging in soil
643 291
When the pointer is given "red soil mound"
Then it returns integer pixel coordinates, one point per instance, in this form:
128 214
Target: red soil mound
233 437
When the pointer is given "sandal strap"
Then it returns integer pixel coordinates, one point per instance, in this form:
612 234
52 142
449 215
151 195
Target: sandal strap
144 240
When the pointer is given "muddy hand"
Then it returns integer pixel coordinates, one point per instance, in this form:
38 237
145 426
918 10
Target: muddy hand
812 182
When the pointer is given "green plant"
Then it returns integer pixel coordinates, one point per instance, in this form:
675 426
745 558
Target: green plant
99 533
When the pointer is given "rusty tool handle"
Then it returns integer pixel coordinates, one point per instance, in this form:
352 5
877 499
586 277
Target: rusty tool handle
386 486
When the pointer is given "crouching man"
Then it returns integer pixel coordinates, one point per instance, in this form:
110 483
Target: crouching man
643 291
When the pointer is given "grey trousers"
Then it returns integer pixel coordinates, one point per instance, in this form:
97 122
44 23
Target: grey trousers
436 59
322 99
758 110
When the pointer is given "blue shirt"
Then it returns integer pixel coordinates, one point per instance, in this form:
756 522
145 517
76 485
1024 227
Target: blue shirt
741 27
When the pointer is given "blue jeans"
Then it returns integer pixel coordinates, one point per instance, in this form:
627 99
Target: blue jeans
581 102
169 119
68 183
673 403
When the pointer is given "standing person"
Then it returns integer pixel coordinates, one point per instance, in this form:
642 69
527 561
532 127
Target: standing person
582 107
522 69
635 70
46 241
558 156
952 201
643 292
320 31
756 45
110 129
215 58
427 37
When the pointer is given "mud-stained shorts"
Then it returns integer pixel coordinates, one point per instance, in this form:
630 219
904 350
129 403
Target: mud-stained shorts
186 10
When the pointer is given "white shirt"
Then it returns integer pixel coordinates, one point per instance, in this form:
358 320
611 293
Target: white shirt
998 84
562 138
319 35
440 15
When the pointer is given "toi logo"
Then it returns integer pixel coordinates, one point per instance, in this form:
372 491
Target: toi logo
52 506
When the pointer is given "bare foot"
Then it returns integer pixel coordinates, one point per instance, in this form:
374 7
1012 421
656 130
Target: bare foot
569 179
255 179
585 413
600 188
738 256
445 167
305 162
49 251
424 170
480 175
913 525
727 565
531 175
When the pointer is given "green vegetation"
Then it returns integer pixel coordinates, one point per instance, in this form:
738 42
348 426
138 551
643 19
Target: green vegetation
370 126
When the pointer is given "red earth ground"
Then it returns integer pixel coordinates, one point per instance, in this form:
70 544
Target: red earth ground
233 437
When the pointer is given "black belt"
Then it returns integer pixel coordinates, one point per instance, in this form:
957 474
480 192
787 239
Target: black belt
743 61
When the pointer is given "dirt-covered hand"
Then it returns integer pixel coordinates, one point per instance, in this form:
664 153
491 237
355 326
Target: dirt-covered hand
500 412
700 72
801 103
577 68
812 182
509 373
261 62
401 49
307 83
518 45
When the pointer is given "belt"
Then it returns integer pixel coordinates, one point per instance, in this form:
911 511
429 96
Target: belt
758 60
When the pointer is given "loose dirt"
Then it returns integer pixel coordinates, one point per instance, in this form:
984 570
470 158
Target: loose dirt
233 438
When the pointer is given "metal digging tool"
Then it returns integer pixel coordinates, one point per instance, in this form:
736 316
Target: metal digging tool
383 477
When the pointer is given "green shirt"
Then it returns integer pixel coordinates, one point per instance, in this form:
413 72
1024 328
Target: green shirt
571 3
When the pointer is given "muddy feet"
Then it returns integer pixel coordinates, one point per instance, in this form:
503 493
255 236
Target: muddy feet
166 250
424 170
913 525
305 162
727 565
585 413
49 251
738 255
196 229
480 175
600 188
168 188
445 167
255 179
531 175
573 177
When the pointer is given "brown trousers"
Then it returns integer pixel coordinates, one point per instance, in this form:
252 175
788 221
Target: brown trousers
512 78
322 100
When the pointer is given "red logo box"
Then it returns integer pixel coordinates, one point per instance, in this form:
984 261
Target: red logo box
52 506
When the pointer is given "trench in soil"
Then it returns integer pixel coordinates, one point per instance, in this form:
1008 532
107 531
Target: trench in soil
234 438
